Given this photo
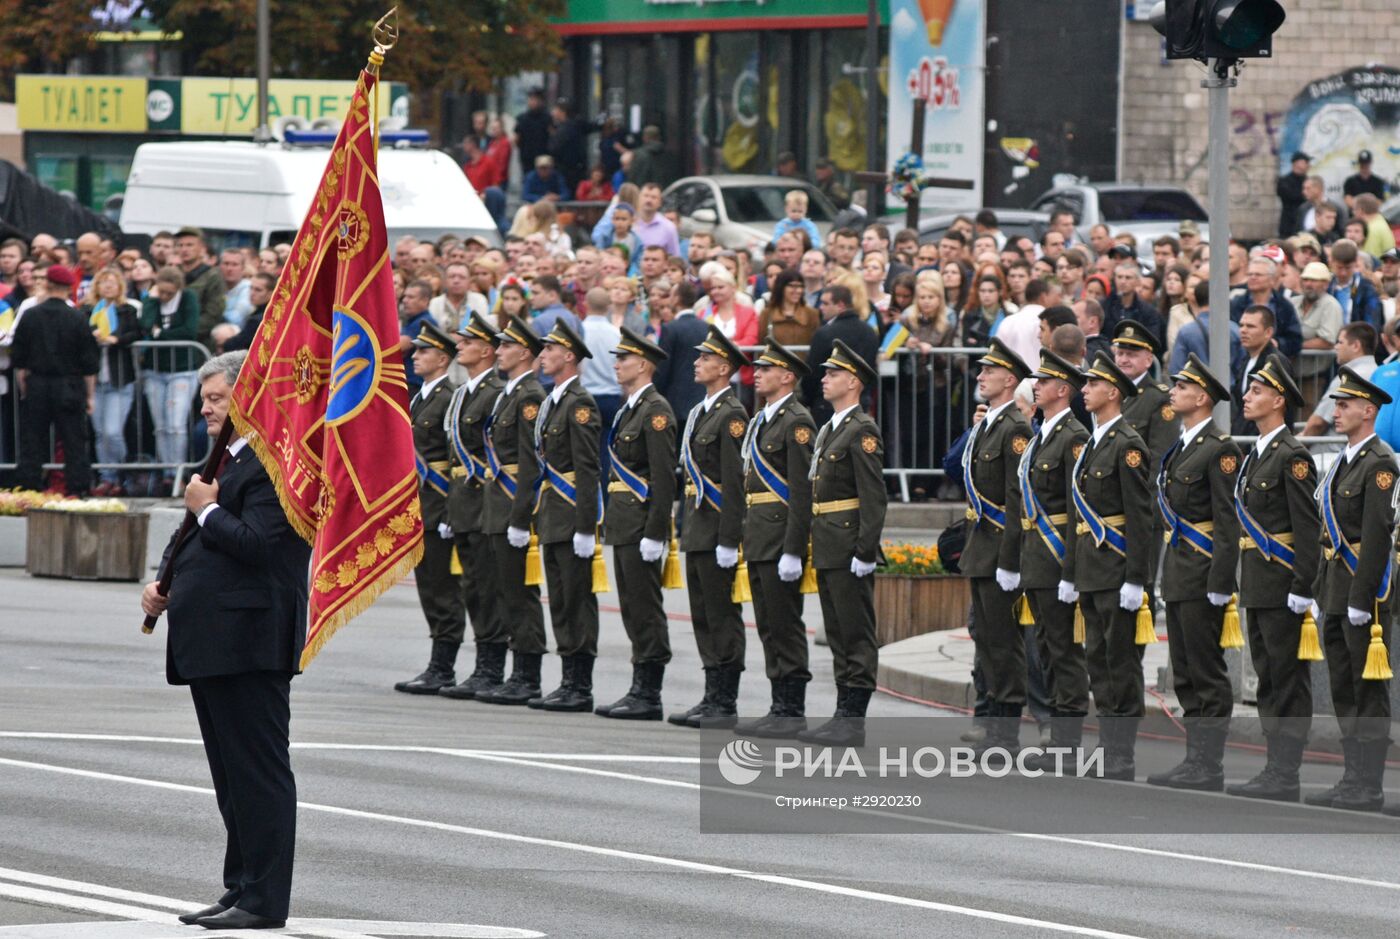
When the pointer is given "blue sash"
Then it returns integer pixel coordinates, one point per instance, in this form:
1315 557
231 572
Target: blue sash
634 483
493 461
770 477
1033 508
705 489
1270 547
428 475
475 466
1339 543
1102 532
1178 527
981 508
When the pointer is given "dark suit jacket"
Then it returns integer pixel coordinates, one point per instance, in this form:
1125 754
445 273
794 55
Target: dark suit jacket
238 597
854 332
675 376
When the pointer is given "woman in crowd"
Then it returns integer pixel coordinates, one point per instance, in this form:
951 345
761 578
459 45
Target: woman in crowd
873 268
143 275
1042 268
981 321
1070 268
787 317
170 314
1097 287
623 309
596 188
735 318
931 417
957 286
1173 306
116 322
512 299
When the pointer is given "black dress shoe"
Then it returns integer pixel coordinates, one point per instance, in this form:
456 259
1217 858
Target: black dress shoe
189 919
234 918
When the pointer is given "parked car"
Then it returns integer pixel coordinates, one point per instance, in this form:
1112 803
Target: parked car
1013 223
1146 212
742 210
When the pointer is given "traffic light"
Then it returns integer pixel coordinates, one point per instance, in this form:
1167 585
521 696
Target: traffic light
1218 29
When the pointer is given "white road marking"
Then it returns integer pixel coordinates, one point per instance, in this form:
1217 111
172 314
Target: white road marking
677 863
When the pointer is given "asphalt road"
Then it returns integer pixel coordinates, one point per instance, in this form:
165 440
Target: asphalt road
426 817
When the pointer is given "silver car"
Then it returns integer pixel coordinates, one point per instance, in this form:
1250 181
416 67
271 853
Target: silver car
742 210
1146 212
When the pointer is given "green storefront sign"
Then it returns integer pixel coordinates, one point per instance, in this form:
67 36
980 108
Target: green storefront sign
620 16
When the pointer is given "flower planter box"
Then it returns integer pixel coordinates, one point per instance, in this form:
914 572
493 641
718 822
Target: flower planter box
910 605
86 545
12 540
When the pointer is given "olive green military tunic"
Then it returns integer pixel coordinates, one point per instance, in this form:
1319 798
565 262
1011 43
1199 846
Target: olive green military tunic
438 590
466 416
1150 413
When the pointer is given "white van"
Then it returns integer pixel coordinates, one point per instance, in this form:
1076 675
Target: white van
248 194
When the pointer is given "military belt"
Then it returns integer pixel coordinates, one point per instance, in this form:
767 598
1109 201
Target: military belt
567 477
458 472
761 498
1249 544
1115 520
1330 553
508 469
618 485
1056 520
837 505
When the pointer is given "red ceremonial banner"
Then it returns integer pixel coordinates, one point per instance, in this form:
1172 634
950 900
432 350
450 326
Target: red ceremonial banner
322 397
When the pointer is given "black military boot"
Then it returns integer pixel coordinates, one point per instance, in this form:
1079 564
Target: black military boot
1066 734
439 673
577 693
636 689
566 679
1278 780
1367 794
522 685
1120 740
1003 730
791 718
1193 755
682 718
722 711
489 672
775 710
1207 773
847 726
1350 776
643 703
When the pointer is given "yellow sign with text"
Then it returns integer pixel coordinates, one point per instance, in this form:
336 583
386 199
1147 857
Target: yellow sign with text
229 106
81 103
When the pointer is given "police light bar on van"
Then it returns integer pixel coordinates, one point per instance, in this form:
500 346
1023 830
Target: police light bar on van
324 138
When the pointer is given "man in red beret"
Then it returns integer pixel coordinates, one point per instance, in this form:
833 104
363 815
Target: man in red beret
55 359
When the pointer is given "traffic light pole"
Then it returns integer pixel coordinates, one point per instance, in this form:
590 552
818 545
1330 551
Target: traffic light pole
1218 86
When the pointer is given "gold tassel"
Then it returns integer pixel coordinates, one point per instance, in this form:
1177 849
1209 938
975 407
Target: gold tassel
1079 624
1230 635
455 568
671 570
1027 617
1377 658
600 568
742 591
809 574
1146 629
534 570
1309 649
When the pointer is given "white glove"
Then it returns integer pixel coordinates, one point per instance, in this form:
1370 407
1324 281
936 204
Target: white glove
583 545
1316 611
1218 599
1358 617
1067 592
444 530
651 549
726 557
862 568
1008 580
1130 596
518 537
789 568
1299 605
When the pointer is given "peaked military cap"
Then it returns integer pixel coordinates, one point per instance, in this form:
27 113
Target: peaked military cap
717 343
775 354
844 357
1354 386
1052 366
477 326
1001 356
1134 334
632 344
1103 368
1198 373
1275 373
430 337
562 335
521 333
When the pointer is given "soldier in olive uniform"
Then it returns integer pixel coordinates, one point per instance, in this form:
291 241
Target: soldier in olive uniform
638 520
1047 538
712 526
1109 565
1354 586
1278 559
438 591
511 473
848 515
1195 499
992 555
568 511
777 455
471 405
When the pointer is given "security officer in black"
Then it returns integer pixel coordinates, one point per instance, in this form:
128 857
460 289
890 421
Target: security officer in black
1195 498
992 555
438 589
1354 586
512 470
1108 567
1278 558
467 414
638 521
568 513
848 516
777 526
712 528
1047 537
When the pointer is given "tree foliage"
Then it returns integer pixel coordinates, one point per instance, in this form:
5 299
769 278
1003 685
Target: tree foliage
41 36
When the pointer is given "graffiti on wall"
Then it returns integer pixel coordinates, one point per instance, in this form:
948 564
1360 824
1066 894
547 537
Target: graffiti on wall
1334 118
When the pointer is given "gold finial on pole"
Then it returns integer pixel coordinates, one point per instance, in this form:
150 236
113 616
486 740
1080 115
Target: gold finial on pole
386 36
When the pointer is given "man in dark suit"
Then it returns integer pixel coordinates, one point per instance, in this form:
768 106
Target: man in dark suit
681 339
237 608
839 321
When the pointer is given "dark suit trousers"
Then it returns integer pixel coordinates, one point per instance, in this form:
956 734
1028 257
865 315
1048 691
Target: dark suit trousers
58 402
643 616
1113 657
1000 643
478 587
1200 676
573 607
439 591
848 610
244 721
1285 683
1060 656
521 614
1362 706
718 621
778 608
